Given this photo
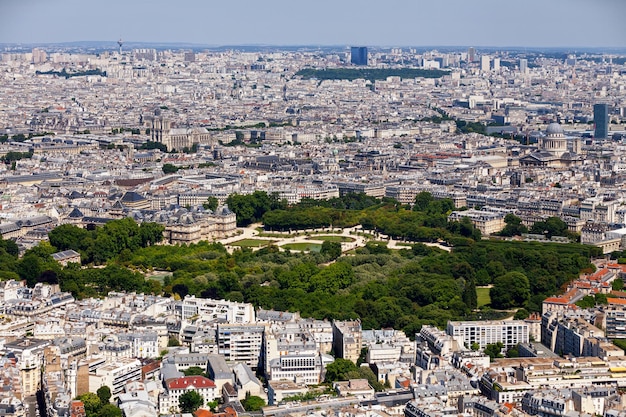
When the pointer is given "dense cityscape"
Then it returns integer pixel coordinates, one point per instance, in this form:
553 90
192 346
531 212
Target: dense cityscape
327 231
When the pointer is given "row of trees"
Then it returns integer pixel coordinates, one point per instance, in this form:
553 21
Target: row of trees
98 245
13 156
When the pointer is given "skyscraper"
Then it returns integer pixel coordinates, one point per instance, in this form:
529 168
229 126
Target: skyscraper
601 120
471 54
358 55
485 63
523 65
496 64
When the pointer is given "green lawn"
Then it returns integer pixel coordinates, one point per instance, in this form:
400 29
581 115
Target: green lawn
483 296
311 247
331 238
159 276
252 243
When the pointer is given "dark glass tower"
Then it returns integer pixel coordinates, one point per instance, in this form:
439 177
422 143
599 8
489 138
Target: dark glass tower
601 120
358 55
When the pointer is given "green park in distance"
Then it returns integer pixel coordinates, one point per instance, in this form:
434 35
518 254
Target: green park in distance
371 74
400 288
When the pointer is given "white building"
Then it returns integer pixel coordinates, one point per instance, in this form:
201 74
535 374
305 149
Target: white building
213 310
306 368
484 333
240 343
115 375
168 401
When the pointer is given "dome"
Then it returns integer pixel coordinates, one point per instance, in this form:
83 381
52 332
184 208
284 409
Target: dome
554 129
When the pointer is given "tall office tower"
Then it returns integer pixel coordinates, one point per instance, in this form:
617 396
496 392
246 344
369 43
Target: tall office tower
485 63
471 54
358 55
523 65
496 64
39 56
601 120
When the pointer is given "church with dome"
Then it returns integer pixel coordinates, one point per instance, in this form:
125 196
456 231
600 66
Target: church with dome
555 150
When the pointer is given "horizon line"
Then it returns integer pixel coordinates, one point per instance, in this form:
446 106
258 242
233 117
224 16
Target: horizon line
313 45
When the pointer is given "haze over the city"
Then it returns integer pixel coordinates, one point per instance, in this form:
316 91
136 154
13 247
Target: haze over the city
531 23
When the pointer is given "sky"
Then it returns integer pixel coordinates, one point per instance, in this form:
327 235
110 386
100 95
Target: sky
527 23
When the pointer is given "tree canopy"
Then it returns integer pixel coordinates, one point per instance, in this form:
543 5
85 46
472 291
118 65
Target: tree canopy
190 401
253 403
510 290
104 394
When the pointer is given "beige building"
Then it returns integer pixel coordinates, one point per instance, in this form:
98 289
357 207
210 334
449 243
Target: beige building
347 339
161 131
485 221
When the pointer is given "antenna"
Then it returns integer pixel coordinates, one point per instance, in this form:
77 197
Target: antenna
120 43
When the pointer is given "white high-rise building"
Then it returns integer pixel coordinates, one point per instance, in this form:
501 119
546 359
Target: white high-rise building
523 65
485 63
496 64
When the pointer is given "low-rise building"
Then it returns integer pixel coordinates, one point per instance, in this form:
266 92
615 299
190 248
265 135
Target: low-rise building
169 400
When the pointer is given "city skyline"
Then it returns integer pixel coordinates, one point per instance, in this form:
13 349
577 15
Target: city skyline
481 23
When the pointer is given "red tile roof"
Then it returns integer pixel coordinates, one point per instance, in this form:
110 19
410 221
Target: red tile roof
556 300
189 381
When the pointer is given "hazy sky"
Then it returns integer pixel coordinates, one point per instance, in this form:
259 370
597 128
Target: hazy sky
567 23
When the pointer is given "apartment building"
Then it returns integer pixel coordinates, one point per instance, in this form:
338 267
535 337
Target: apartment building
210 310
115 375
347 339
169 400
484 333
240 343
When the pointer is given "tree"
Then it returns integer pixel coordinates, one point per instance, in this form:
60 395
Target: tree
422 200
150 233
510 290
553 226
193 370
104 393
521 314
211 204
338 370
514 226
109 410
9 246
92 403
362 356
249 208
181 289
68 236
190 402
30 268
513 352
332 249
469 294
169 169
494 350
253 403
